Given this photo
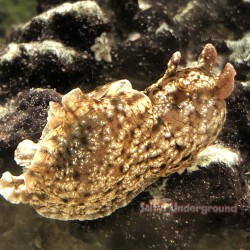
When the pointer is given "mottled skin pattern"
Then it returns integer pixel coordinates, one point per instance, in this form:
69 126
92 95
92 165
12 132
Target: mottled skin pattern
99 150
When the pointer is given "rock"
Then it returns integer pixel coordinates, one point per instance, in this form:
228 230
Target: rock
43 64
197 20
236 128
75 25
138 53
214 179
41 56
217 181
151 19
240 56
125 10
44 5
238 22
27 117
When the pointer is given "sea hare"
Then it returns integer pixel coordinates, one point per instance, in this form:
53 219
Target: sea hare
100 150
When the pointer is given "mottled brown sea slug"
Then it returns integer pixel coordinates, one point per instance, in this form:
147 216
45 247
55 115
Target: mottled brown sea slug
99 150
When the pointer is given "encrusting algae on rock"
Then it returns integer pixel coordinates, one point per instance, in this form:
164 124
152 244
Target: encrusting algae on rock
99 150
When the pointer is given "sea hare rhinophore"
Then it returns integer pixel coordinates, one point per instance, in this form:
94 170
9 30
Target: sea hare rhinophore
99 150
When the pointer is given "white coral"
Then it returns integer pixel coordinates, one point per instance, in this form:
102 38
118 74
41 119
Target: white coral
215 153
102 48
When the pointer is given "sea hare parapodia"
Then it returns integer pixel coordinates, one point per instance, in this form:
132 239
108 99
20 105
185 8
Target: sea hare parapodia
99 150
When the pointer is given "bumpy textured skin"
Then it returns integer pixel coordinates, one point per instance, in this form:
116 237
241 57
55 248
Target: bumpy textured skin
99 150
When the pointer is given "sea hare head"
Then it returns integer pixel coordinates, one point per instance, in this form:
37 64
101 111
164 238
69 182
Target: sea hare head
99 150
200 81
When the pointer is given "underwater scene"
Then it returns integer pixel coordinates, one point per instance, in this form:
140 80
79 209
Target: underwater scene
124 124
